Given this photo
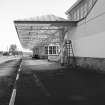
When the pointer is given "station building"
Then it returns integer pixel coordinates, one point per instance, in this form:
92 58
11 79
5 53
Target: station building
88 36
85 28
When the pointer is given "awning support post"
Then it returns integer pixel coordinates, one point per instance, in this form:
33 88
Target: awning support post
62 34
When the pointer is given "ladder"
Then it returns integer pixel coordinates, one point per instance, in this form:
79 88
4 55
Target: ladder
69 56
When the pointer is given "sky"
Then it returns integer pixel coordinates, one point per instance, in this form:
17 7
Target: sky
19 9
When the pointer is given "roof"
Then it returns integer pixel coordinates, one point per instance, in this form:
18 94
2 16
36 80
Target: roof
40 30
44 18
73 6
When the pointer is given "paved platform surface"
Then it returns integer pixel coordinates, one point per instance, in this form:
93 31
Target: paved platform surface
48 83
41 65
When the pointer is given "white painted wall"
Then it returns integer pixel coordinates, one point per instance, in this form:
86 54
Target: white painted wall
89 36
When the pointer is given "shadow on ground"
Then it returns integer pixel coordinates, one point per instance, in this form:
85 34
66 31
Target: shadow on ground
65 85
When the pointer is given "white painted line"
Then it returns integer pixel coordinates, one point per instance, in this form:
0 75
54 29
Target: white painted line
12 100
17 77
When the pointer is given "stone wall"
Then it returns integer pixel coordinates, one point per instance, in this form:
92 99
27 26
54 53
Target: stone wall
90 63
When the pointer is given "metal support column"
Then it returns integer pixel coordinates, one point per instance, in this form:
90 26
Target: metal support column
61 33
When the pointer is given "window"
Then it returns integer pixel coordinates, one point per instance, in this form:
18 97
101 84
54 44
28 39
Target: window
78 14
46 49
90 4
85 9
50 49
75 15
71 16
53 49
57 49
81 12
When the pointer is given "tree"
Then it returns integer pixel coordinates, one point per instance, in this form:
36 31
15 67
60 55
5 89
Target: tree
13 49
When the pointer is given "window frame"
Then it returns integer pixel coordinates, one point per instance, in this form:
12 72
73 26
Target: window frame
53 50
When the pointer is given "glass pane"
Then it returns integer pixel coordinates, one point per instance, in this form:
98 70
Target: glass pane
54 49
78 14
50 50
57 49
75 16
85 9
90 4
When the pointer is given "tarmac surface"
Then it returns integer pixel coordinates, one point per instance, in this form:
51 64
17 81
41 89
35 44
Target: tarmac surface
48 83
8 70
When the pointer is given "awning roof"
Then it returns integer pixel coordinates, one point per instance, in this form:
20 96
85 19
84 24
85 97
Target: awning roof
40 31
44 18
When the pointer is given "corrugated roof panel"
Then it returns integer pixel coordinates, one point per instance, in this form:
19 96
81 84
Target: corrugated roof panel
73 6
44 18
29 30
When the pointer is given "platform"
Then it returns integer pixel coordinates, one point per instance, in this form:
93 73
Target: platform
42 65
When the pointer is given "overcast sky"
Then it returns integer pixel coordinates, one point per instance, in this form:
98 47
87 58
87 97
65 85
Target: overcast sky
19 9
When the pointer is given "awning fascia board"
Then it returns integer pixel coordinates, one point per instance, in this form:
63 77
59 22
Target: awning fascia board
47 22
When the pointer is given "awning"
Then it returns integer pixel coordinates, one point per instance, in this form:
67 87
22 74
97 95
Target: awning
40 31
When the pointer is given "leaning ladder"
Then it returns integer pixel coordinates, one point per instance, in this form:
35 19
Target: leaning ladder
69 52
